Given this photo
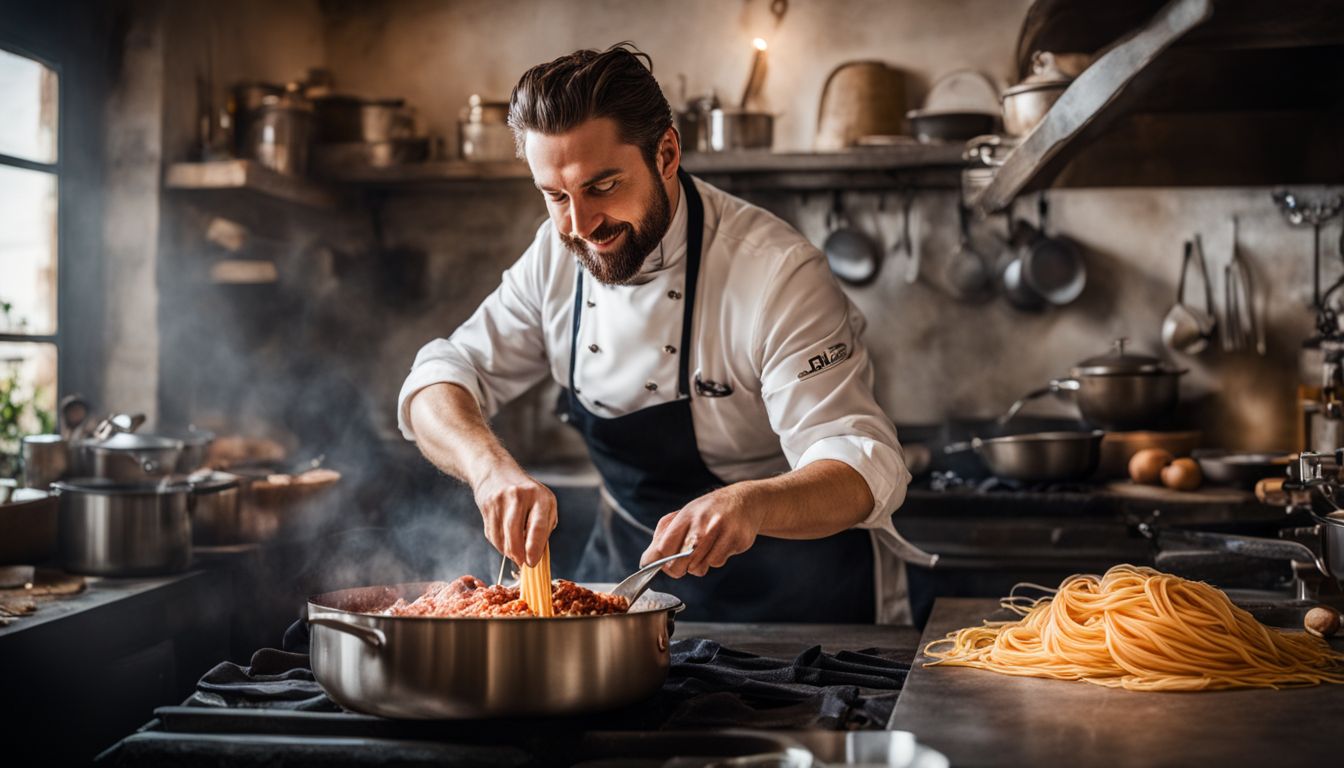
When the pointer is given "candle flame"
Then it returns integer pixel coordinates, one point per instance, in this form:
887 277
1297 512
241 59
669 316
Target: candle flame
759 43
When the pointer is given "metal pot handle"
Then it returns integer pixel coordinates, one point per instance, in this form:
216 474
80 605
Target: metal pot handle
1250 546
1053 388
374 637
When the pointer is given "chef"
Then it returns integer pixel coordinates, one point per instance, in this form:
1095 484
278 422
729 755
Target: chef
708 359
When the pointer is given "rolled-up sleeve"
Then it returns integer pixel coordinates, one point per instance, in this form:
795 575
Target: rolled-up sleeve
498 353
817 379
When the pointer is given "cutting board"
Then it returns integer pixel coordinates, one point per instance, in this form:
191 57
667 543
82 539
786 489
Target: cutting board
980 718
1162 494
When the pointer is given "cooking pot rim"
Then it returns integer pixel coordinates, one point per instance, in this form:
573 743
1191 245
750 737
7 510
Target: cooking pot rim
108 487
1100 371
666 602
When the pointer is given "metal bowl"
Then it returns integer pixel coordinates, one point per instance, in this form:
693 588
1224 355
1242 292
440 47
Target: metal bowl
440 668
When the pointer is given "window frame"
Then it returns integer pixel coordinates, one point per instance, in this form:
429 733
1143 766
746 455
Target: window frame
57 170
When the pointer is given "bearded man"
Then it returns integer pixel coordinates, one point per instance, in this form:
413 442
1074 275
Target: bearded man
709 360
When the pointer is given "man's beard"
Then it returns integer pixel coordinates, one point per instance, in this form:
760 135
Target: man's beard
621 265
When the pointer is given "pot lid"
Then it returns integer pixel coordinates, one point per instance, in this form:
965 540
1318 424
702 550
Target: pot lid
130 441
1119 361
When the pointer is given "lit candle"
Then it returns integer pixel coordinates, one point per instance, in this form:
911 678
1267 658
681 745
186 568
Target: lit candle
756 80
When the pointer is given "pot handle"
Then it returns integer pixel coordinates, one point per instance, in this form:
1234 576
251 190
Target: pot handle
1250 546
370 635
961 447
1053 388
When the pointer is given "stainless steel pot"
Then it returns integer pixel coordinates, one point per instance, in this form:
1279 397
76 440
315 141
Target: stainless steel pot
732 129
277 134
483 132
1038 456
437 668
127 456
1025 104
195 448
1117 391
111 528
217 511
339 119
45 460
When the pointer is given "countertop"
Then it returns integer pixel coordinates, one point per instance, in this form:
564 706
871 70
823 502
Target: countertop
980 718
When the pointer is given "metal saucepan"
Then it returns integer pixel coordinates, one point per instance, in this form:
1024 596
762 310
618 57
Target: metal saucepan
1038 456
1117 391
113 528
439 668
217 513
1241 469
127 456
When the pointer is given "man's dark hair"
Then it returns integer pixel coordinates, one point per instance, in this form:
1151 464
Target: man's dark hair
617 83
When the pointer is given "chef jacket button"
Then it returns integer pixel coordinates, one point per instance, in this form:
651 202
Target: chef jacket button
598 404
669 349
594 348
591 303
652 387
674 294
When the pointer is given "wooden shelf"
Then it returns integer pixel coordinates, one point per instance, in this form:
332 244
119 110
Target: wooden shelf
433 172
248 177
913 164
876 168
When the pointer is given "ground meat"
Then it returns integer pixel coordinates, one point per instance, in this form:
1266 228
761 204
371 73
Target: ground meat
469 596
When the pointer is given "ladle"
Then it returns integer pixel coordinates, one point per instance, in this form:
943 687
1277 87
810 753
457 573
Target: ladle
1186 329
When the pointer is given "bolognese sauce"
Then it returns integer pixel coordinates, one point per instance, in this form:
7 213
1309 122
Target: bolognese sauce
468 596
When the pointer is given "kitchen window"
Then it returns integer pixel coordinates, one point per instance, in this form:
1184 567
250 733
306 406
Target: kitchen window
30 175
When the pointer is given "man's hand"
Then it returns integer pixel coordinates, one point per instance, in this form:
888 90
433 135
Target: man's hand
518 513
717 525
814 501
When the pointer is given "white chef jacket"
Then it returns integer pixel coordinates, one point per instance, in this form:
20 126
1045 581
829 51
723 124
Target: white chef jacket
772 334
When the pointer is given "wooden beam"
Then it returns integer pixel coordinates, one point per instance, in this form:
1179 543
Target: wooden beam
1089 98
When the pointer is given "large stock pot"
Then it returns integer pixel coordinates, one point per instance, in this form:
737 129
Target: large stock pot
440 668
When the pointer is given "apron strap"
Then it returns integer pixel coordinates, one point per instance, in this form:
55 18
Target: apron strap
695 227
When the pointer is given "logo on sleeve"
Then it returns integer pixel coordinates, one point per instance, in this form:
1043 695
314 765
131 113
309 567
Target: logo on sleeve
833 356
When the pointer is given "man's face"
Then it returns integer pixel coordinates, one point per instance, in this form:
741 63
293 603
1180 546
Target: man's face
608 205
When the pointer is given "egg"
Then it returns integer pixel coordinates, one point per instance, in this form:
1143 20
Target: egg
1146 466
1182 475
1322 621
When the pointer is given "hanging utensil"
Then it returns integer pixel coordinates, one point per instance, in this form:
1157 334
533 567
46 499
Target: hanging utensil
851 254
1186 329
1242 328
968 273
906 242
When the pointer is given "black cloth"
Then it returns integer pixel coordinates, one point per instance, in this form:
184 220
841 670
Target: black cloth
712 686
708 686
274 680
650 462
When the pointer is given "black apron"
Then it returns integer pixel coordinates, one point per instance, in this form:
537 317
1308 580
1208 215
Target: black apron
650 463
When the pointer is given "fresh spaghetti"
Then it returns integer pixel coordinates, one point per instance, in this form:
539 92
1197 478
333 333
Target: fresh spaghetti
534 583
1142 630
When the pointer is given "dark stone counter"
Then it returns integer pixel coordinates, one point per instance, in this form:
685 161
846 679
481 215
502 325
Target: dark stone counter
979 718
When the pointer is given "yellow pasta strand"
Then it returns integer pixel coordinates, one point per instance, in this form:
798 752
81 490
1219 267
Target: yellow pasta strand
1142 630
535 585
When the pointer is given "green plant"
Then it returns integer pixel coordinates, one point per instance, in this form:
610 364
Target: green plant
21 411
